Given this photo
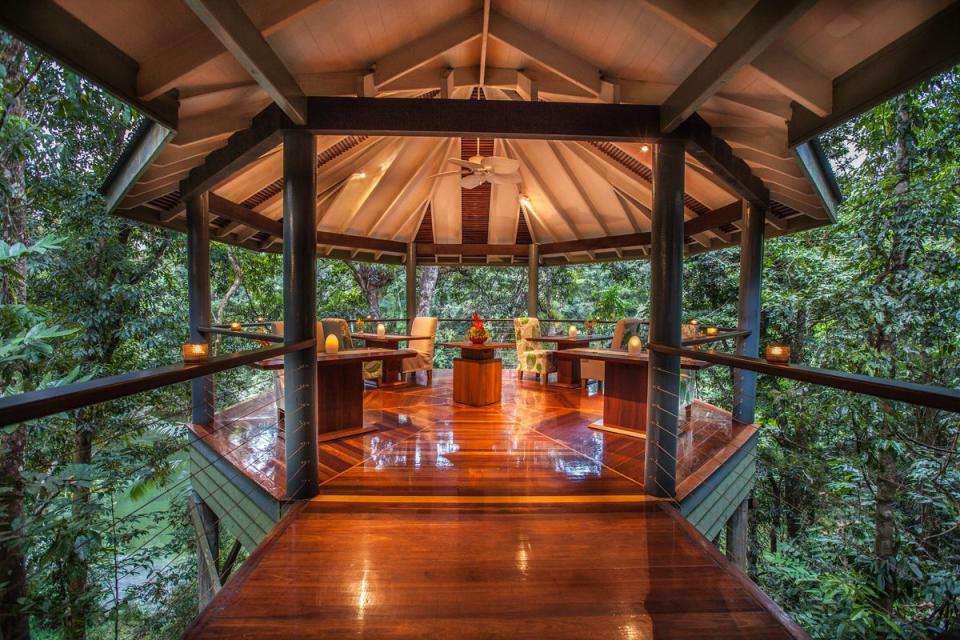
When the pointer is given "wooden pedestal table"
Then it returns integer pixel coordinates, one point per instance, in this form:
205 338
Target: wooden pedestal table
340 388
624 387
568 369
393 368
477 373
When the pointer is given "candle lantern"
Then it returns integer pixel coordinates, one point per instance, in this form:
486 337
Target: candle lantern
634 345
712 331
381 330
778 353
331 344
572 331
261 319
235 326
195 352
696 327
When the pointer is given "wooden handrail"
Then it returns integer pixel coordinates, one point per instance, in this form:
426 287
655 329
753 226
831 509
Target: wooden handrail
47 402
725 334
266 337
911 392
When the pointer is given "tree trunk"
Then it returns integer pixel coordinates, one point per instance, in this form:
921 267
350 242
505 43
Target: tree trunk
14 623
426 288
77 611
372 280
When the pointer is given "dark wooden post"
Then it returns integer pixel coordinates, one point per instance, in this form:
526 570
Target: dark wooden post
737 535
751 266
411 269
533 280
666 267
300 312
198 286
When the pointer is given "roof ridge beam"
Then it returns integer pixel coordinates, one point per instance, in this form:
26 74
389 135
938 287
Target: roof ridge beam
763 24
234 29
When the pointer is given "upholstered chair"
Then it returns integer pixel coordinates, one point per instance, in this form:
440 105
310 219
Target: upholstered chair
339 328
423 361
625 329
531 357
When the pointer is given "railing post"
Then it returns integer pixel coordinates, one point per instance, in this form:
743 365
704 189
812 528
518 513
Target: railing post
533 280
198 287
411 270
300 312
666 270
751 267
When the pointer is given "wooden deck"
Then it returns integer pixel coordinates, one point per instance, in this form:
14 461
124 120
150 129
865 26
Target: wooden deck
511 521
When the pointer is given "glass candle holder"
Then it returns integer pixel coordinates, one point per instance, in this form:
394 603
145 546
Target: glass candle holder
381 330
634 345
572 331
712 331
331 344
236 326
195 352
778 353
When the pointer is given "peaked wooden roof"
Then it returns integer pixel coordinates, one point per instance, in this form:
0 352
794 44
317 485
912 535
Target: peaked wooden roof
750 82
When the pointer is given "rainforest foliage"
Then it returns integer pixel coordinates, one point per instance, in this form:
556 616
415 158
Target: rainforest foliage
855 519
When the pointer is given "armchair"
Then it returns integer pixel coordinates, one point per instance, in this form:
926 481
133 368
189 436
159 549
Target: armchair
530 357
623 331
423 361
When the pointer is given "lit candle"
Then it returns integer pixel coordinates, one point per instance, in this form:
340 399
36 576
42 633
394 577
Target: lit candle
235 326
195 352
634 345
331 344
712 331
260 319
381 330
572 331
778 353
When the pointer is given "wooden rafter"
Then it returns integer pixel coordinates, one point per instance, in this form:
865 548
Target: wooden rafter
762 25
234 29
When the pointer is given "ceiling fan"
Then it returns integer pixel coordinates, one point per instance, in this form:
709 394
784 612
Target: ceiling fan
492 169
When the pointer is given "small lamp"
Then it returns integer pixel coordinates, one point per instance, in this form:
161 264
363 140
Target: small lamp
195 352
331 344
778 353
572 331
235 326
712 331
634 345
381 330
696 326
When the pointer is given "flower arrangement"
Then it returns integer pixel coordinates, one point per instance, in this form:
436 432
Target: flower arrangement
359 325
477 333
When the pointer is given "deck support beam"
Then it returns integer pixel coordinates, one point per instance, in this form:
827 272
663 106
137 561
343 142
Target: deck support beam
300 312
411 272
751 267
737 535
206 528
198 286
533 280
666 271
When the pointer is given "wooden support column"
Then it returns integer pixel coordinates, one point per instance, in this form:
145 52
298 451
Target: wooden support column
411 270
205 526
751 266
198 287
300 312
533 280
666 270
737 535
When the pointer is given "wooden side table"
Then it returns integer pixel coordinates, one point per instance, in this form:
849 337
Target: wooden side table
477 373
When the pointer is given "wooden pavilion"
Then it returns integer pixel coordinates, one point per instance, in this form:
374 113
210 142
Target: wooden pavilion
645 129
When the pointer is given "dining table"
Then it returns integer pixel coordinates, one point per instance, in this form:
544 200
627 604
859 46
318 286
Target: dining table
340 388
624 387
477 373
392 373
568 370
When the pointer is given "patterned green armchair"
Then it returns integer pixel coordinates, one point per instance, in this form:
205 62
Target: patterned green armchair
531 358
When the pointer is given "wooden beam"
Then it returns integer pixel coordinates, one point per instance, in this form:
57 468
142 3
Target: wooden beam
433 250
718 157
413 55
483 118
239 213
50 28
485 35
707 23
242 148
361 242
929 49
555 58
137 157
763 24
234 29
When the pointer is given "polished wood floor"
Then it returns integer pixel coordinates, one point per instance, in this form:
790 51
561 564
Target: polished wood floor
515 521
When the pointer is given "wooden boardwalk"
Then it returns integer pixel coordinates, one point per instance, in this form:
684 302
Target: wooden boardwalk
512 521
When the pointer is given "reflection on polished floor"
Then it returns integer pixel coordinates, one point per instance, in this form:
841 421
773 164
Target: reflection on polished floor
510 521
